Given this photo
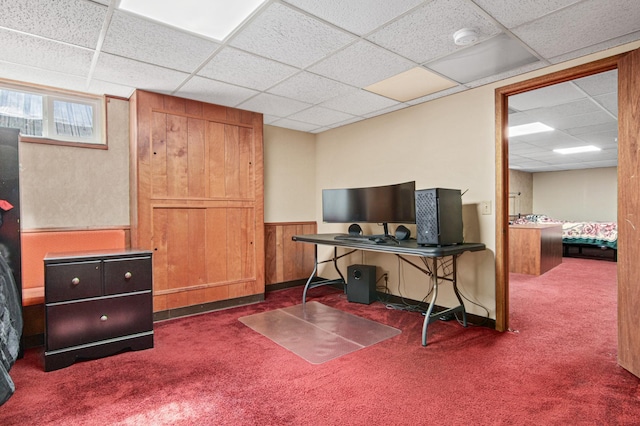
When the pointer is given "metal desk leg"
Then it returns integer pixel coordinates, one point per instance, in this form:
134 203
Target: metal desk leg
313 273
313 284
427 316
455 290
431 317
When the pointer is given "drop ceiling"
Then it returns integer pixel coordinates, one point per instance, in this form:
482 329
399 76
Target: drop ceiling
304 64
582 112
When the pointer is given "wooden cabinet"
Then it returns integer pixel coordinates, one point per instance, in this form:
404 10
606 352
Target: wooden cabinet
197 199
96 304
535 248
285 259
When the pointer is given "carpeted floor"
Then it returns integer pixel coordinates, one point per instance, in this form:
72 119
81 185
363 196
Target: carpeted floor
557 366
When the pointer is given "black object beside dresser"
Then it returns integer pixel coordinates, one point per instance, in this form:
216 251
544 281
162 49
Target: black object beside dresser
97 304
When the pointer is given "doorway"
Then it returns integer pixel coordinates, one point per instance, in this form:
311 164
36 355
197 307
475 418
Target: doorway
628 65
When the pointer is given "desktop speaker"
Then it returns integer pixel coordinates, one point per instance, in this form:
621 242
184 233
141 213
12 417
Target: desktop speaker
355 229
361 284
438 216
403 233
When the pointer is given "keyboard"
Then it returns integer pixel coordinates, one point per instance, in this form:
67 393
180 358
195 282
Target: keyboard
367 239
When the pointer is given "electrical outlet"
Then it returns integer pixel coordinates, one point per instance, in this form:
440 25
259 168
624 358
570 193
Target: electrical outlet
485 207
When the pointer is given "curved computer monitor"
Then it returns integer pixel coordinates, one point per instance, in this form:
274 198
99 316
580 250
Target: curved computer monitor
377 204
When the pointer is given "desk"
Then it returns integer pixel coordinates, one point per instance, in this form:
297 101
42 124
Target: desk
433 254
534 248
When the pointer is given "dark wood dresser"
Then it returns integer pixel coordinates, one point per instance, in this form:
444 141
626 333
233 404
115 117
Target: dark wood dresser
97 304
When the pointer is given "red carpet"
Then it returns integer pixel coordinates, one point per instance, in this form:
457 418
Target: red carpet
557 366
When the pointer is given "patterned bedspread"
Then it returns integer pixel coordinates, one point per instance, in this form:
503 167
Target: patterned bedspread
601 234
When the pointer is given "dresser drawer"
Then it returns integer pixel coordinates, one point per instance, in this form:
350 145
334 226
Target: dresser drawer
74 280
88 321
127 275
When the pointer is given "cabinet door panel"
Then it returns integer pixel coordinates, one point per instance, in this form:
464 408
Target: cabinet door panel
216 161
240 244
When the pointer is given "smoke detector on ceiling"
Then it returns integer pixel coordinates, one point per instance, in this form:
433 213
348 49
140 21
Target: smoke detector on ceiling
465 36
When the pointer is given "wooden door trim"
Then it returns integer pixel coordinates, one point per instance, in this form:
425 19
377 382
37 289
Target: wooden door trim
502 168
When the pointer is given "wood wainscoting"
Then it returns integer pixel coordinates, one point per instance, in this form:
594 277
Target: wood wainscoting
285 259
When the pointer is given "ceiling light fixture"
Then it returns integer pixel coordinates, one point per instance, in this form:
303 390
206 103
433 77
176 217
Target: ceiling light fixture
577 149
465 36
529 129
213 19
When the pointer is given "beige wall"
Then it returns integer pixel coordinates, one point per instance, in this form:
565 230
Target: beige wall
428 144
70 187
577 195
289 175
520 192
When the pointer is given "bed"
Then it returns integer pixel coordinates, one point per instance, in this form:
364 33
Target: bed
10 328
598 240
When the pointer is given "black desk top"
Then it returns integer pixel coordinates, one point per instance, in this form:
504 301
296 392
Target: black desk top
409 247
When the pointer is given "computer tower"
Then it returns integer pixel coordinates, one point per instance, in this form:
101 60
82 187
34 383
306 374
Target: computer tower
361 284
438 216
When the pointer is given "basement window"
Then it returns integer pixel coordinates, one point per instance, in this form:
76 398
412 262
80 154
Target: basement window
51 117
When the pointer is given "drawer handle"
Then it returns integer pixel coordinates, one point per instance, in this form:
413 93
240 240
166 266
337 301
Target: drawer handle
104 318
127 275
75 281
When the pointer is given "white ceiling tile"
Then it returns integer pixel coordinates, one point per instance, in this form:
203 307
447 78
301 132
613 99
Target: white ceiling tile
518 118
386 110
344 123
215 92
513 13
295 125
598 47
427 33
311 88
321 116
490 57
545 97
507 74
601 139
546 139
98 86
291 37
604 155
257 72
359 103
268 119
22 49
362 64
267 103
77 22
42 77
357 16
603 163
521 148
140 75
446 92
547 115
567 25
155 43
599 84
594 128
609 102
